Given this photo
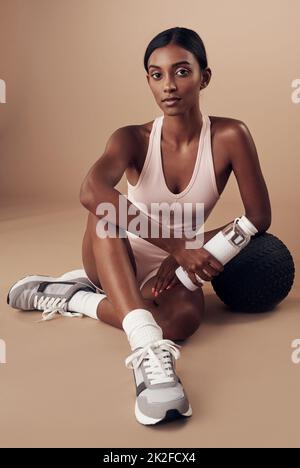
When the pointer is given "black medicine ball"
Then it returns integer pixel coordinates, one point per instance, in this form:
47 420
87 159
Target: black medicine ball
259 277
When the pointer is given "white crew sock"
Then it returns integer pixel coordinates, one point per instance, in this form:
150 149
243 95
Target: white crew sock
141 328
86 303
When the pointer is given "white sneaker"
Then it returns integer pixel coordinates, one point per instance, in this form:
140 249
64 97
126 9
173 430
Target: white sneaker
159 393
47 293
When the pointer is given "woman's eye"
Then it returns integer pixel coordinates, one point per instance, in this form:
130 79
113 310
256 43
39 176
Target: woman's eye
184 70
181 70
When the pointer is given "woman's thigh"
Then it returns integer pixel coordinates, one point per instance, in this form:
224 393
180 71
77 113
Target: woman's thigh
89 246
176 297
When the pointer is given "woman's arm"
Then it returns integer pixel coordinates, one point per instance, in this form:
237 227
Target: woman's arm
98 185
251 183
246 167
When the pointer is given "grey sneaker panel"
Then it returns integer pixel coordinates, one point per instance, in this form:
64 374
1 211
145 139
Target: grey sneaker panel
158 410
75 285
22 297
159 395
57 289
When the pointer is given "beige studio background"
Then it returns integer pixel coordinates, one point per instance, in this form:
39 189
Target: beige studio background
74 73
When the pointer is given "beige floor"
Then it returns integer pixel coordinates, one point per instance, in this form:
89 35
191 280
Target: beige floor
65 383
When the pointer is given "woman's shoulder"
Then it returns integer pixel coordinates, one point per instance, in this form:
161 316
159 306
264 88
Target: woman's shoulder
222 127
132 137
135 131
219 122
140 134
228 129
144 129
225 123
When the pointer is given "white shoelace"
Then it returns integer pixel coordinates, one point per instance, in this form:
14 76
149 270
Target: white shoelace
158 360
51 306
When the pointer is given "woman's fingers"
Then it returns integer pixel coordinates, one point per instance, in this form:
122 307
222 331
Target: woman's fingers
204 275
207 273
215 264
158 284
173 282
158 279
193 278
166 282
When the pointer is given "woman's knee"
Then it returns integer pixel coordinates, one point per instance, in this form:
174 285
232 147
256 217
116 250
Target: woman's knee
186 313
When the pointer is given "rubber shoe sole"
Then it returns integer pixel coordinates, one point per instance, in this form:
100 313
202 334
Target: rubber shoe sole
169 416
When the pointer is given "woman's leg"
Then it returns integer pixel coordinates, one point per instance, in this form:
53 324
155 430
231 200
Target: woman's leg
110 264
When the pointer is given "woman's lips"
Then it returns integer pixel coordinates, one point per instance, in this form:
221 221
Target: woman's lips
172 102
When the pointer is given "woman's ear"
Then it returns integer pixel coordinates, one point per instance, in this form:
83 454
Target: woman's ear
206 78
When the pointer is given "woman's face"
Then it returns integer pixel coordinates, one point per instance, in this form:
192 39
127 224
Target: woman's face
182 80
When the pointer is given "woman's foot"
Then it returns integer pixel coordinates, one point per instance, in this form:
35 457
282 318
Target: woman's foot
48 294
159 393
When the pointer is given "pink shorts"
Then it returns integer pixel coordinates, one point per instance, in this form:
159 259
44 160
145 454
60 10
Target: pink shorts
148 259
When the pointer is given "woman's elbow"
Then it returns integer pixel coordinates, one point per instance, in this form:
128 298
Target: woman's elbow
264 224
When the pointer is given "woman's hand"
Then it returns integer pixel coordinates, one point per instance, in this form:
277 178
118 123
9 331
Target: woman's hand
197 261
166 277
